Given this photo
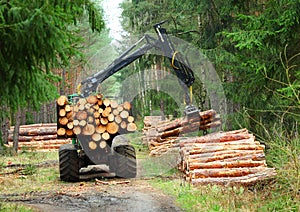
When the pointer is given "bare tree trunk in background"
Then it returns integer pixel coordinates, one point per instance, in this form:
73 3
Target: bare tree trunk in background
49 112
16 130
23 117
45 113
162 109
5 125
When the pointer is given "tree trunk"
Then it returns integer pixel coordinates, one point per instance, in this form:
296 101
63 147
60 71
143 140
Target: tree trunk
5 125
16 130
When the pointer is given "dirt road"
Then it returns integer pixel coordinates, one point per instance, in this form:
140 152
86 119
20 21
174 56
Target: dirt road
97 193
104 195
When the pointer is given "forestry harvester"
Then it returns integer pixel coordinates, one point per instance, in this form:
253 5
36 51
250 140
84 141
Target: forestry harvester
116 152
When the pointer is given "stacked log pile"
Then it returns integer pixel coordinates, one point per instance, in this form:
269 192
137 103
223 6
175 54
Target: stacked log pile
38 137
233 157
94 120
162 136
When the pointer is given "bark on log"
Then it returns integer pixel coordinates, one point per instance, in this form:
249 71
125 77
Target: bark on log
267 173
36 131
40 125
222 157
215 148
220 164
42 142
33 138
225 172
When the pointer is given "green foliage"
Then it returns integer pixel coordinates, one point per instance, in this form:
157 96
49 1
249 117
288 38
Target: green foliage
35 38
283 154
4 206
29 170
253 45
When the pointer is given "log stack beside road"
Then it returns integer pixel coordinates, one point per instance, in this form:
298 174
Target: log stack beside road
233 157
41 137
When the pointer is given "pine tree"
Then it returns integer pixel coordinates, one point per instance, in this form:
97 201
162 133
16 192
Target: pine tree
36 37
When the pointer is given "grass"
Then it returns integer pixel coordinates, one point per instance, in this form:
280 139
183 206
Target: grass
14 207
280 194
30 178
220 198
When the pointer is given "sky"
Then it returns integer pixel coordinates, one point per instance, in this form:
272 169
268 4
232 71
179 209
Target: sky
112 15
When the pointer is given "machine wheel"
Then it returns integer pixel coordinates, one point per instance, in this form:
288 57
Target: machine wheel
68 163
125 165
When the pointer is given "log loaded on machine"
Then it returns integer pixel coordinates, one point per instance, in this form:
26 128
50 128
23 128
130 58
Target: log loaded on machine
97 125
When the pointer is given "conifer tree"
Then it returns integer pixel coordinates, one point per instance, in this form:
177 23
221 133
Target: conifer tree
35 37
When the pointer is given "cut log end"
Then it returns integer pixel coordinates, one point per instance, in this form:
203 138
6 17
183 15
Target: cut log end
102 144
96 137
61 131
92 145
92 99
106 136
112 128
62 100
127 105
131 127
89 129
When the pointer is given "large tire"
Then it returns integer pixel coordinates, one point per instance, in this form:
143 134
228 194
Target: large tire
125 165
68 163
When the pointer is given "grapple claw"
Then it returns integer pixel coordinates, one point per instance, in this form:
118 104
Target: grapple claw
191 111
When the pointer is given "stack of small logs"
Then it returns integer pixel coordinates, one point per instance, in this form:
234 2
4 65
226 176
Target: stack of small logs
233 157
163 136
38 137
94 119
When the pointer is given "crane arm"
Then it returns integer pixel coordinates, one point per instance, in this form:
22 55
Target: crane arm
164 44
